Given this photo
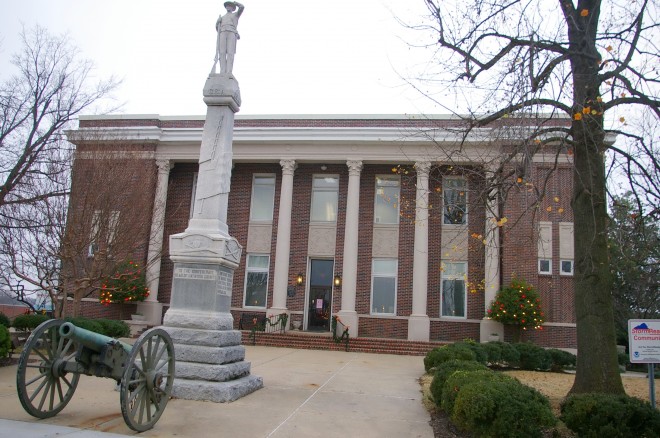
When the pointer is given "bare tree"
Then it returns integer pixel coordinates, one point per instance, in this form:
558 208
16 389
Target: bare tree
51 86
108 221
593 62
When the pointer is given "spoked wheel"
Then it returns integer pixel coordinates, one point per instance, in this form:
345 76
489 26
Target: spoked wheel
146 386
43 387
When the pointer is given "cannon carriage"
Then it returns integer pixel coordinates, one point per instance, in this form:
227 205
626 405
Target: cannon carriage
58 352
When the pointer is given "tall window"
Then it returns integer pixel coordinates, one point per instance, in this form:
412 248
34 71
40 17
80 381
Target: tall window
545 248
256 280
325 190
566 248
386 205
383 286
454 194
263 197
453 300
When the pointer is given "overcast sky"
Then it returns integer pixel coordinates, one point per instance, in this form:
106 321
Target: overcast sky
294 56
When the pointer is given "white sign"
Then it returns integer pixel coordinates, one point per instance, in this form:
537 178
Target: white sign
644 340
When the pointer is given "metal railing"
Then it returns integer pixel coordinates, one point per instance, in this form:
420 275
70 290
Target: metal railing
339 327
270 324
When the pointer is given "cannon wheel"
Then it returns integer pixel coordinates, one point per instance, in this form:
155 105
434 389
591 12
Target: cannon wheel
146 386
43 387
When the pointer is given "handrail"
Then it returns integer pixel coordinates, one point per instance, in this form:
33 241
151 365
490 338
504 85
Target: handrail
271 324
337 324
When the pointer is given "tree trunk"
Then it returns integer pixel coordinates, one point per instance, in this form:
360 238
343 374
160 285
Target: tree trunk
597 364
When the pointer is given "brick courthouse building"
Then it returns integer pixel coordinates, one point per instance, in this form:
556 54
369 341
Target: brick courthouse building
380 220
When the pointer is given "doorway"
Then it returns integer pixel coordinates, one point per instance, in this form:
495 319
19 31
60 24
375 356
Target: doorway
319 304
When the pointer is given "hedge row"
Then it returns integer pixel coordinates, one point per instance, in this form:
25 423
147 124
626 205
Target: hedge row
107 327
524 355
487 403
5 341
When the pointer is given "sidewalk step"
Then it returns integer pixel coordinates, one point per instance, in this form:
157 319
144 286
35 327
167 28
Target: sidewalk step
325 342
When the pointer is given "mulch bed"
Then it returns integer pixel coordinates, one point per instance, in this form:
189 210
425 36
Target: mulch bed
7 362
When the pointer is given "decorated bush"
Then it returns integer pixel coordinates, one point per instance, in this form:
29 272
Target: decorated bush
127 285
517 305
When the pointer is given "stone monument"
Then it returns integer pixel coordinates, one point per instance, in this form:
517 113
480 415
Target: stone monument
210 361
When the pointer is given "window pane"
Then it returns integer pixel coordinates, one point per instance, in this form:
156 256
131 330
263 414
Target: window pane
329 182
455 201
567 266
386 209
384 267
453 298
324 206
263 194
258 262
544 266
255 289
383 295
321 273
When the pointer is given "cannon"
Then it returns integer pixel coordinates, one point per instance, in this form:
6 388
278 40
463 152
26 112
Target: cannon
58 352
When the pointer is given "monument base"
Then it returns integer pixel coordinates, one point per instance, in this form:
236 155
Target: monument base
210 360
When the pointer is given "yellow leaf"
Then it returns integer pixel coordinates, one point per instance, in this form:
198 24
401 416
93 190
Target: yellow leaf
594 112
622 119
561 210
586 110
584 12
548 209
519 180
599 99
556 198
609 48
577 116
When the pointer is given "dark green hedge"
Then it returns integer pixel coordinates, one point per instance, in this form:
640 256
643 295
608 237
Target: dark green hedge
29 322
608 415
4 320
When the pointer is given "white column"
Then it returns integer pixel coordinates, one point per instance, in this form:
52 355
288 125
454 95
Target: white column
283 246
347 314
151 308
419 324
491 266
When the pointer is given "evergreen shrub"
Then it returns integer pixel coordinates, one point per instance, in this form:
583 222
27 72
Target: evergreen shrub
609 415
480 354
446 369
4 320
459 379
501 408
493 351
561 359
533 357
28 322
445 353
114 328
5 341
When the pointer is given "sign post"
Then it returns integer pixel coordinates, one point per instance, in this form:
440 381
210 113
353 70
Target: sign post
644 347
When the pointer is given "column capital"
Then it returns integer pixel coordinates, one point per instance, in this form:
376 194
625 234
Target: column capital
354 167
288 166
164 165
423 167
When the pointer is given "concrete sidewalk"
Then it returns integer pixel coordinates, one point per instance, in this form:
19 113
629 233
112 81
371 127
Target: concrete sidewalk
306 393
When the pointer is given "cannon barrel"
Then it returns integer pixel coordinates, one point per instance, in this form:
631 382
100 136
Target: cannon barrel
93 341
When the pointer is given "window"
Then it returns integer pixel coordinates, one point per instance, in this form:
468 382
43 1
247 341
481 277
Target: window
263 197
97 229
454 195
193 195
256 280
383 286
545 266
325 191
566 248
453 297
545 248
386 204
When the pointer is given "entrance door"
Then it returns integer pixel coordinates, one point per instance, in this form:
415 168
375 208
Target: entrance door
319 306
